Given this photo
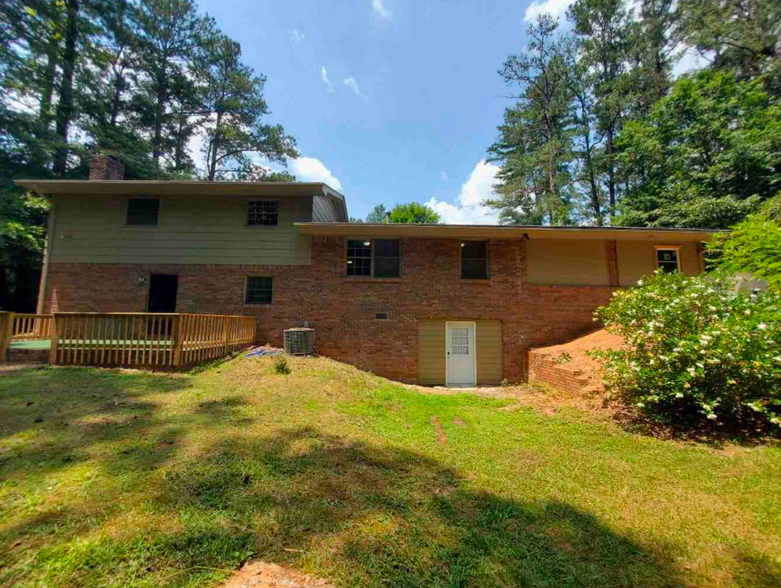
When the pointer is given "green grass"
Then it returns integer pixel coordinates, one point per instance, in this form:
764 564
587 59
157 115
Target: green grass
131 479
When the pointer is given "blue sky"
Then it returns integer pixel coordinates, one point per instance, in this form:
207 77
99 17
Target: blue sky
390 100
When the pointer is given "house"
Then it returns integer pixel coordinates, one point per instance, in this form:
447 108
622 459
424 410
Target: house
432 304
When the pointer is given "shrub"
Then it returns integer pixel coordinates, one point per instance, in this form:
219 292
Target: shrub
281 366
694 351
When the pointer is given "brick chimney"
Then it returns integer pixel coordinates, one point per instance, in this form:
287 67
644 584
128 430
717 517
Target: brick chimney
105 167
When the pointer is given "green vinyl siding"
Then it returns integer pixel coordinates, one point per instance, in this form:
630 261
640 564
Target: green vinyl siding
190 230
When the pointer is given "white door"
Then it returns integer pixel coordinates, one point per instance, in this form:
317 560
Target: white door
460 354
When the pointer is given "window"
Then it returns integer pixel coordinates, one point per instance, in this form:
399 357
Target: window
258 290
474 260
263 213
378 258
143 212
668 259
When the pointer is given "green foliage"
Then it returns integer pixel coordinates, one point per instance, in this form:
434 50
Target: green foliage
707 155
695 352
281 366
377 215
414 213
754 245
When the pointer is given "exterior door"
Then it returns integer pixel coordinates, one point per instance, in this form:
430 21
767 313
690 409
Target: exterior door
460 347
162 293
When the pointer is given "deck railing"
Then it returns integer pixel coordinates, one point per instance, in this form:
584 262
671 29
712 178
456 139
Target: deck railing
144 339
31 327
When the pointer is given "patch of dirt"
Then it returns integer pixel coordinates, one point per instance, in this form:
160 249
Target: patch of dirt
260 574
576 350
438 429
459 422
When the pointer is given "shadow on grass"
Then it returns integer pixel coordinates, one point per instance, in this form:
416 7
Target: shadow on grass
355 513
377 516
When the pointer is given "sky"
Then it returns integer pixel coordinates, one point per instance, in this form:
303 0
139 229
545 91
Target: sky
390 101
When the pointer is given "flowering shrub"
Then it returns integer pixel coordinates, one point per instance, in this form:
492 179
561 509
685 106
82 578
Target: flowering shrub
693 350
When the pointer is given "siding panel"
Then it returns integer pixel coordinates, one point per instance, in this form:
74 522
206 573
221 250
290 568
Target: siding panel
431 360
191 230
323 210
570 262
489 353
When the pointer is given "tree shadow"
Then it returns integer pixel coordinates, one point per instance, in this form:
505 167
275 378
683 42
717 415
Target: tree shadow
390 517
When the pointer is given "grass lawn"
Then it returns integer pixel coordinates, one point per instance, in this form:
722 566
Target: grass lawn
112 478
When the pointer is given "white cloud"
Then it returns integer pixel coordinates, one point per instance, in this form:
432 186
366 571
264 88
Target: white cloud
351 83
556 8
326 81
380 9
297 36
468 209
311 169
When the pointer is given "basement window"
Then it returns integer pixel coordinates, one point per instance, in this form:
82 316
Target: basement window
142 212
377 258
668 259
263 213
474 260
381 316
258 290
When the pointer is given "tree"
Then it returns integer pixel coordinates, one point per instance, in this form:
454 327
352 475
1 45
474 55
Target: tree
754 245
535 141
377 215
706 157
169 33
234 104
414 213
603 27
736 34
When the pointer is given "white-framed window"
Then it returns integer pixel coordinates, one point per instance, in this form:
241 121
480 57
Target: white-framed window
668 258
142 212
262 213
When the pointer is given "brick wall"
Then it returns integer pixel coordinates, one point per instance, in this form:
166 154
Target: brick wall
342 309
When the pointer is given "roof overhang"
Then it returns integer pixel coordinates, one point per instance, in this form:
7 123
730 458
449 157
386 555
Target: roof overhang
172 188
503 232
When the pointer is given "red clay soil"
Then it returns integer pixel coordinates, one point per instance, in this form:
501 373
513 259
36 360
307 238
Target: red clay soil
600 339
267 575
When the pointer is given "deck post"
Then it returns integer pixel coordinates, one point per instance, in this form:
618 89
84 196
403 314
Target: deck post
53 341
178 340
226 334
6 332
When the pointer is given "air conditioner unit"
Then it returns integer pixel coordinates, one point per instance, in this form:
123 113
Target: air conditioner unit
299 341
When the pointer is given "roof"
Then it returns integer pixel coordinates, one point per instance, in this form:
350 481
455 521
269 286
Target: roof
504 232
169 187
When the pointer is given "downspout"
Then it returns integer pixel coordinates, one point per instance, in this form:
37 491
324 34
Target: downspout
47 254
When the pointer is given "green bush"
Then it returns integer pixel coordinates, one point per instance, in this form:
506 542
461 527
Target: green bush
694 351
281 366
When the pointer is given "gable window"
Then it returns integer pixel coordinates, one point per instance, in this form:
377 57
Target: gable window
668 259
474 260
263 213
142 212
258 290
378 258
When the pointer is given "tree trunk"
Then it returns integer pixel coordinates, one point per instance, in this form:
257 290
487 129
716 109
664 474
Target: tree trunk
611 172
52 53
162 85
216 142
65 106
5 298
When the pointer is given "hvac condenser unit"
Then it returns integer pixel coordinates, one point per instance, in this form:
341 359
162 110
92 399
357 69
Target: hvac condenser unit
299 341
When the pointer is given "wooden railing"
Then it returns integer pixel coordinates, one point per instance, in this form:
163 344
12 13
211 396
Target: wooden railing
147 339
31 327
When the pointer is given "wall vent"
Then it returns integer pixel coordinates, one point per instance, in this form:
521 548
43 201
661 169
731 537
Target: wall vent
299 341
381 316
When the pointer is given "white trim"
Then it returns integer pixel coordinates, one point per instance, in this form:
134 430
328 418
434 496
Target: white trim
474 347
676 248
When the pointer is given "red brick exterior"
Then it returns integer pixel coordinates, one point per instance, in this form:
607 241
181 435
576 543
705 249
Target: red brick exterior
105 167
342 309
